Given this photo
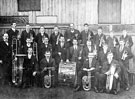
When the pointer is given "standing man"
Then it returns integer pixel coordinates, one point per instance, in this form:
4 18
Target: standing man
27 33
86 34
30 65
112 41
99 39
6 57
13 32
123 54
70 34
127 39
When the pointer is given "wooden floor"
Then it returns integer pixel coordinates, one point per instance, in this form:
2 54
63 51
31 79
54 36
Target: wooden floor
7 92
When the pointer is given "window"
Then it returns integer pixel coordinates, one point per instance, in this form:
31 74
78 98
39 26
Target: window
29 5
109 12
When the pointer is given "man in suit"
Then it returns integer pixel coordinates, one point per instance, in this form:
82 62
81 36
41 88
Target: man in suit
12 33
112 41
70 34
6 58
110 74
127 39
102 55
62 49
87 66
30 65
27 33
99 39
74 52
89 48
40 36
27 45
45 46
123 54
86 34
46 62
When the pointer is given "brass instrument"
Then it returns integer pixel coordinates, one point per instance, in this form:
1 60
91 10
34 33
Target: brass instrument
86 80
101 41
35 50
48 78
127 43
109 80
123 55
17 69
114 42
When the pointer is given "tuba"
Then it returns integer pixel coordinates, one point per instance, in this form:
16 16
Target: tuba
109 80
86 80
48 78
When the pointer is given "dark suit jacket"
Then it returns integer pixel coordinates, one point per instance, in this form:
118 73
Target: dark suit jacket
44 63
86 52
71 36
5 52
26 35
31 63
107 66
39 37
97 39
12 34
127 39
84 36
71 56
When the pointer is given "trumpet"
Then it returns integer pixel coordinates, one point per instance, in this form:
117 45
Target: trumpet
127 44
123 55
114 42
101 41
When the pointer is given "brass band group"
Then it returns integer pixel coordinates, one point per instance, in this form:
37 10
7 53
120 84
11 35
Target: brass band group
30 59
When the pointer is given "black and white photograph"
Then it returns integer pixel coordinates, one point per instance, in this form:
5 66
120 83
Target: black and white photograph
67 49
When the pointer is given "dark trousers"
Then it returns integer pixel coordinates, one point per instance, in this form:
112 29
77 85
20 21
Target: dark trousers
124 75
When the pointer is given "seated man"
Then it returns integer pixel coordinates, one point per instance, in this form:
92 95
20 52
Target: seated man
45 46
74 52
27 45
45 63
89 65
62 49
30 65
110 75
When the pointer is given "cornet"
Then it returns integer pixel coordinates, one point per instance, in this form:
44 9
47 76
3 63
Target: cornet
123 55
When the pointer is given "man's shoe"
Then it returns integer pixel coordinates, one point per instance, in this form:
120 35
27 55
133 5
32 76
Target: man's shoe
96 90
115 92
77 88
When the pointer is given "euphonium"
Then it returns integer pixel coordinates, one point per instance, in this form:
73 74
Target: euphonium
48 78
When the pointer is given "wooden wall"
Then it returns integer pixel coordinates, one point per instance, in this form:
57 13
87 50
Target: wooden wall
69 11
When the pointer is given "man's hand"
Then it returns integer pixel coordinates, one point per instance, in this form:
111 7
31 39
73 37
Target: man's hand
59 53
68 40
79 58
85 69
1 61
34 73
116 75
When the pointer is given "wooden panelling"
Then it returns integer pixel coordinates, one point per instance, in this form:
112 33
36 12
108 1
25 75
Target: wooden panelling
128 12
67 11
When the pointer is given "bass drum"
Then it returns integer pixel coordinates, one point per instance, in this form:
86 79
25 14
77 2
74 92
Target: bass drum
67 74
